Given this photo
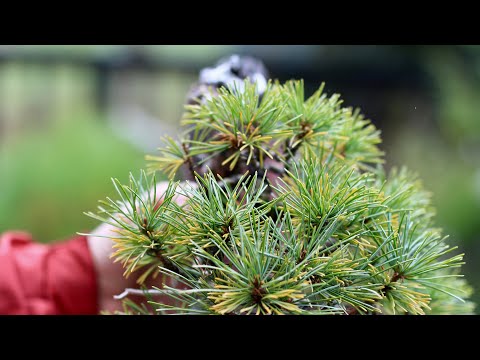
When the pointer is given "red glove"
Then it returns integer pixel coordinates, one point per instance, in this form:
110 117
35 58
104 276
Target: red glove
46 278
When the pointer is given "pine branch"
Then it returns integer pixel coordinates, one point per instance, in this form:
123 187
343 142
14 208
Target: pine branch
189 160
333 234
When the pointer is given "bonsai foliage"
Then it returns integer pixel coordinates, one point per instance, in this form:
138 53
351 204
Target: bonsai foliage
289 211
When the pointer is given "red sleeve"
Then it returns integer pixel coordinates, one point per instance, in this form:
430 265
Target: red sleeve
45 279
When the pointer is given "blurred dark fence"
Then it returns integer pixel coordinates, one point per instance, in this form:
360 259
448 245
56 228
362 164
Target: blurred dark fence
360 72
370 77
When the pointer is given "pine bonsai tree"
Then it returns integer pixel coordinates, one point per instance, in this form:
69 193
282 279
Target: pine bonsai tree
289 211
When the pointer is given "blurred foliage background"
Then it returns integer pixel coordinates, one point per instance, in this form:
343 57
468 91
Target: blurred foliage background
72 117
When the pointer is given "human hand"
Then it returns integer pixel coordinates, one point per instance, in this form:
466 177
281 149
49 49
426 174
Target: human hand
110 278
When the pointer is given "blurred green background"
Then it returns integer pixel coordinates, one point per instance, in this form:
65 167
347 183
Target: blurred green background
72 117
